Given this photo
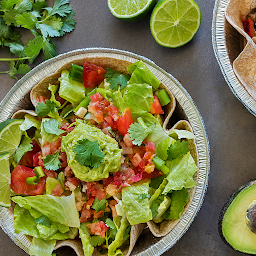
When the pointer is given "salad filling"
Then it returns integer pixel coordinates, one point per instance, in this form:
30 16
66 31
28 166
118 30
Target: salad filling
94 162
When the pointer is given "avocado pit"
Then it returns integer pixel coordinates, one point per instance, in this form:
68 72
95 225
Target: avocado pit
251 217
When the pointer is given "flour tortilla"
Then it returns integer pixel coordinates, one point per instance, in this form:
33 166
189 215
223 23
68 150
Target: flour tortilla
245 64
165 227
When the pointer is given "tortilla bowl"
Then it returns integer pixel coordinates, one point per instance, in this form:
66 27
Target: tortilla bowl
244 63
185 109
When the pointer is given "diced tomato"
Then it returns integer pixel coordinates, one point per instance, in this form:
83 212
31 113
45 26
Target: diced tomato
42 98
27 159
127 140
124 122
249 27
86 215
108 180
156 173
95 189
58 190
95 109
109 121
112 204
50 173
55 146
63 159
92 75
156 106
19 185
136 159
150 146
111 189
89 203
137 177
97 215
147 155
96 97
59 99
46 149
98 228
142 163
36 159
75 181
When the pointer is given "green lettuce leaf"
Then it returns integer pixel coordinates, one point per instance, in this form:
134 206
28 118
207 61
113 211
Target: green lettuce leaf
181 134
70 90
85 238
139 98
181 173
179 199
30 121
137 210
58 209
41 247
141 74
119 239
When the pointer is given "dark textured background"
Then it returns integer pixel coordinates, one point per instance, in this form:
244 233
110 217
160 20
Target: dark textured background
230 127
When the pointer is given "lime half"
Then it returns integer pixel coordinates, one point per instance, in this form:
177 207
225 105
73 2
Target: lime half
5 175
10 135
174 23
131 10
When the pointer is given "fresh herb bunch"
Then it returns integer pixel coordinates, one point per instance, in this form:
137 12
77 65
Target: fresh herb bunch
44 23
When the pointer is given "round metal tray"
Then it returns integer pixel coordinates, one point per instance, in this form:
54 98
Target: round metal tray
227 45
147 244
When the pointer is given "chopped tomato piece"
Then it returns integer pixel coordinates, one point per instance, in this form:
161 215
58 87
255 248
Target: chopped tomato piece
127 140
27 159
58 190
75 181
50 173
98 228
42 99
156 106
249 27
96 97
156 173
136 159
36 159
112 204
150 146
92 74
86 215
124 122
19 185
97 215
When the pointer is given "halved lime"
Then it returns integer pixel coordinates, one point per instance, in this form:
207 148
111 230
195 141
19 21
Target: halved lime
174 23
10 135
5 175
131 10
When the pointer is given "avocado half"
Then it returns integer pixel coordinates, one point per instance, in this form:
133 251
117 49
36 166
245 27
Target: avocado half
237 221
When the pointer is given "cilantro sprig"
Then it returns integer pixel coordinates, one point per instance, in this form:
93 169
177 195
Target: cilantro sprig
52 162
116 79
42 21
88 153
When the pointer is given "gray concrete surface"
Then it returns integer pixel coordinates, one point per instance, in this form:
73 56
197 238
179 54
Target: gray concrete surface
230 127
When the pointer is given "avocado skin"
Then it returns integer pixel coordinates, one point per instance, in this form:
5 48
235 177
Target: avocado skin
225 207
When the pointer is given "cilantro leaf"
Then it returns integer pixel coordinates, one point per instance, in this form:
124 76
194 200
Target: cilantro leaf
116 79
177 149
88 153
52 126
143 196
44 108
99 205
138 133
60 7
33 47
26 20
24 147
97 241
113 229
68 23
52 162
49 50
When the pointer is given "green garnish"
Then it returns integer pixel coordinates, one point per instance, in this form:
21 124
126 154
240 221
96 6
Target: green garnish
52 162
116 79
99 205
43 22
88 153
44 108
177 149
52 126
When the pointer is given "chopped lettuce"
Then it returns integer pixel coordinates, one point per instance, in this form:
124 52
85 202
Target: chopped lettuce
29 122
58 209
163 206
179 199
139 98
70 90
137 210
141 74
40 247
118 100
181 173
119 239
85 238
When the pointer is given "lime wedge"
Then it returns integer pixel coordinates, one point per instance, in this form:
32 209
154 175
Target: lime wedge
131 10
10 135
174 23
5 175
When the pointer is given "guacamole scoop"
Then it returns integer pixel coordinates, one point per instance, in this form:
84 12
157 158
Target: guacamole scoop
109 147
